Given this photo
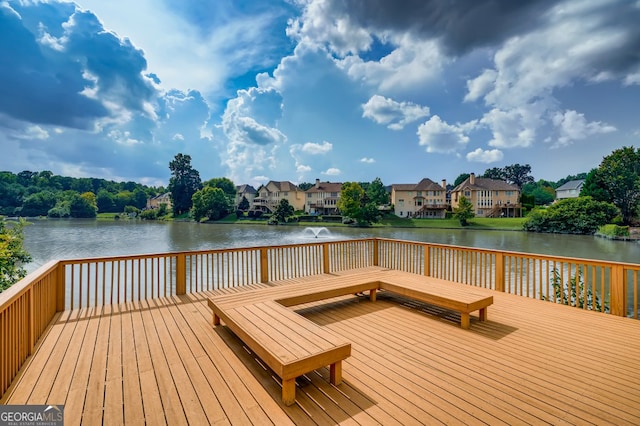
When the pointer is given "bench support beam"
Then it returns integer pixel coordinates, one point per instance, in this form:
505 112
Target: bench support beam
335 373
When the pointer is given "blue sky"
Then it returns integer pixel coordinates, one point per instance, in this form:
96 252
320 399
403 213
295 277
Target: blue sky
304 89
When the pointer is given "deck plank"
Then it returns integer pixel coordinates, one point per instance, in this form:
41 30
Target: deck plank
162 362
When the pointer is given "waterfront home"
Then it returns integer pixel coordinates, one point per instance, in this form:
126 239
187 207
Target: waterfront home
569 189
155 202
426 199
322 198
246 191
489 197
269 195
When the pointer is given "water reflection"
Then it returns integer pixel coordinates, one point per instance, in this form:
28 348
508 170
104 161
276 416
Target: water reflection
69 239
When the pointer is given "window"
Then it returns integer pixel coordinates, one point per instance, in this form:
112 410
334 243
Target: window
309 195
334 194
418 193
401 203
467 193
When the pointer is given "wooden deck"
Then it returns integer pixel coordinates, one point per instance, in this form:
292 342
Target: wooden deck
162 362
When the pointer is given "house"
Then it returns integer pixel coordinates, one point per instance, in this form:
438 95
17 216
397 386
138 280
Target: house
426 199
154 202
569 189
269 195
246 191
490 197
322 198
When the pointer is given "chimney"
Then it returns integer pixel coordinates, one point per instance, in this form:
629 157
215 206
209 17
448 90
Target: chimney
444 184
472 179
317 183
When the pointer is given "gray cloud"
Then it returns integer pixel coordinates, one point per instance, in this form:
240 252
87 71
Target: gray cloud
463 25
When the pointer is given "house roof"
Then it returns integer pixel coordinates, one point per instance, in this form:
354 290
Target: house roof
245 189
486 184
284 185
572 184
326 187
425 184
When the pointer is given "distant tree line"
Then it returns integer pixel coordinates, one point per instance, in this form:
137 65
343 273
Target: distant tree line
30 194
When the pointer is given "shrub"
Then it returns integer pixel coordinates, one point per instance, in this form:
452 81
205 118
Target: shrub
581 215
150 214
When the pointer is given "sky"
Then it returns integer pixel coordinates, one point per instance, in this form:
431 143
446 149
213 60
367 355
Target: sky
301 90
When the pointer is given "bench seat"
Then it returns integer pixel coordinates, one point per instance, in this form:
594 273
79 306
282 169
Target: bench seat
292 346
288 343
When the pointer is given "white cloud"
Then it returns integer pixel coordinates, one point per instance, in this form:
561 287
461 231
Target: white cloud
573 126
367 160
178 137
317 148
480 86
515 127
395 114
485 156
332 172
412 63
302 168
439 136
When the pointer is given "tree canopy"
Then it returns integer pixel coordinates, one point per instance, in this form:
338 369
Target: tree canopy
184 182
515 174
12 253
617 180
582 215
210 203
464 211
283 210
356 204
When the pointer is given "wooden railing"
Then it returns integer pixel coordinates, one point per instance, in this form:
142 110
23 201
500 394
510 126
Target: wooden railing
28 307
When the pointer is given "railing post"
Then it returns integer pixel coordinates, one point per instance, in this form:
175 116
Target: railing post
181 274
61 287
325 259
376 258
618 291
32 320
500 272
427 260
264 265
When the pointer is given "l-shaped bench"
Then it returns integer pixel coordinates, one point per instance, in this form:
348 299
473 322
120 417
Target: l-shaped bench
292 346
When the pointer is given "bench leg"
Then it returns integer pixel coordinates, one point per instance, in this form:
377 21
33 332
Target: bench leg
372 294
464 320
335 373
216 319
289 391
483 314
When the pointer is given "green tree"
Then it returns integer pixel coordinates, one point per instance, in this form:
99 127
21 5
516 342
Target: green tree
83 205
139 198
594 186
305 185
244 204
518 174
226 184
105 202
38 204
464 211
184 183
210 203
582 215
12 253
542 191
494 173
377 193
283 210
356 204
619 176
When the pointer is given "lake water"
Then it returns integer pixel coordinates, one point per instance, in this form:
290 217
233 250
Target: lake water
49 239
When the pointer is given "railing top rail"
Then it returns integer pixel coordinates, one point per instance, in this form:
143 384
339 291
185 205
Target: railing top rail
197 252
18 289
596 262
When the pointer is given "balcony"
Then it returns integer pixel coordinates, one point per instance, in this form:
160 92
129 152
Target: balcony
130 340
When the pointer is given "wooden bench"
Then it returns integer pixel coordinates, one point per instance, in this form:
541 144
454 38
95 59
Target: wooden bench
445 294
292 346
287 342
